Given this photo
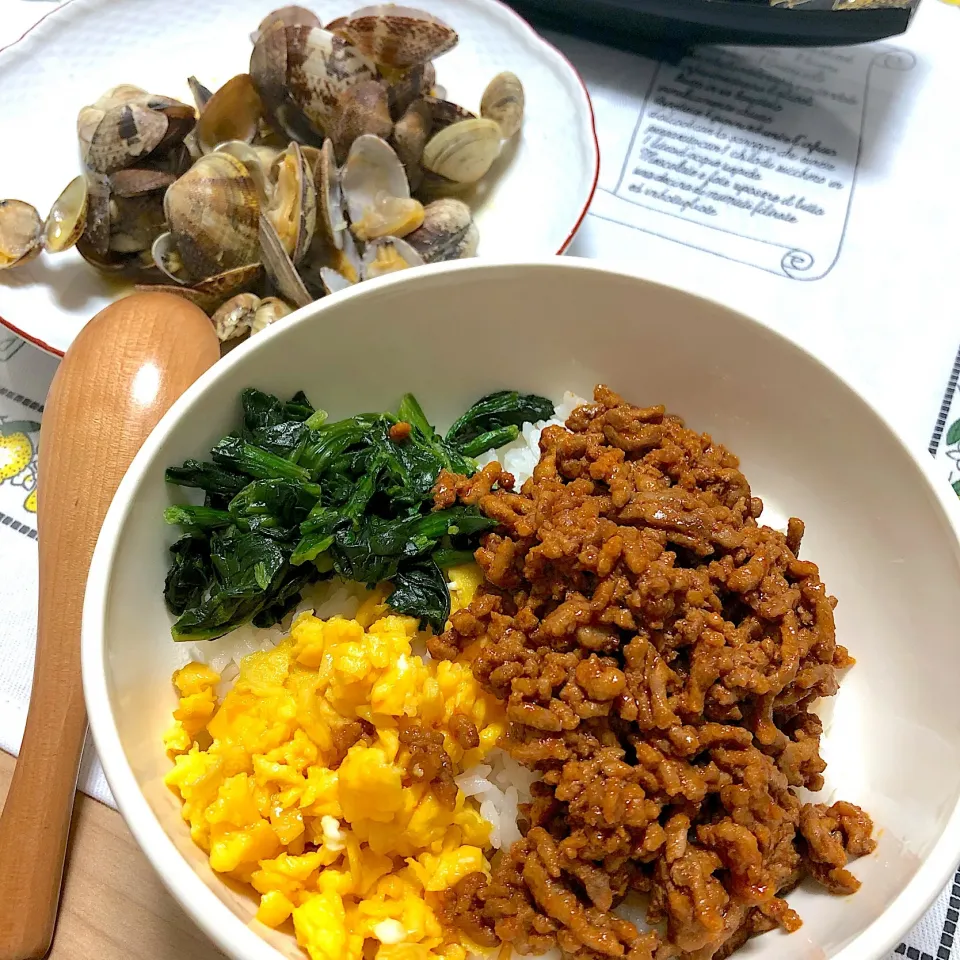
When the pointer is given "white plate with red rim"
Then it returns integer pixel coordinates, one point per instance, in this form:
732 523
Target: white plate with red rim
84 47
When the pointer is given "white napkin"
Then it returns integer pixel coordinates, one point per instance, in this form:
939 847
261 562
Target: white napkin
25 376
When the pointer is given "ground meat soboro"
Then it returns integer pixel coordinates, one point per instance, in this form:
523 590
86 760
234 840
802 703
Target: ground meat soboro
658 651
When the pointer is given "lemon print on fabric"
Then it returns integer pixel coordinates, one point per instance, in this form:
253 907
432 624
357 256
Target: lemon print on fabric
18 458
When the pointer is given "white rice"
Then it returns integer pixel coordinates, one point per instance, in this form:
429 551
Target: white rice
501 784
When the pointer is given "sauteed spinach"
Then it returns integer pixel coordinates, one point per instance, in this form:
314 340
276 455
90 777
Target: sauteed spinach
290 499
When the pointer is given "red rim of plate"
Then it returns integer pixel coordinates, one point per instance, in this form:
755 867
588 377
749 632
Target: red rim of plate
566 243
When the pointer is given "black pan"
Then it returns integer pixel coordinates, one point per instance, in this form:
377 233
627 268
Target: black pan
643 26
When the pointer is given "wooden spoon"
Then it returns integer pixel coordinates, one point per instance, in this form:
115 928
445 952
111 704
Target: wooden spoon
122 373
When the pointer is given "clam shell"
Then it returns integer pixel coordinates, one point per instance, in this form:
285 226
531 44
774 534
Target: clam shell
397 36
388 255
280 267
464 151
320 66
291 16
410 136
448 232
232 319
67 217
377 191
126 134
293 205
90 116
503 102
213 212
372 169
21 232
232 113
363 108
329 198
135 181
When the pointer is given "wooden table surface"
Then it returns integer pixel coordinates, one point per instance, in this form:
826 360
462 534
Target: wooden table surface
114 907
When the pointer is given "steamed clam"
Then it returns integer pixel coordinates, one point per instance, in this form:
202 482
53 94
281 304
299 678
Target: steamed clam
464 151
447 232
246 314
130 130
232 319
397 37
377 192
213 212
126 133
21 233
293 205
301 72
503 103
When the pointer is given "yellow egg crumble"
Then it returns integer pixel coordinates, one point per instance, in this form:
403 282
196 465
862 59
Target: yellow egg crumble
352 851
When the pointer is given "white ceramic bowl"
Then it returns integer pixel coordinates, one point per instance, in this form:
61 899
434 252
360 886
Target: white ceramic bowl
881 525
533 199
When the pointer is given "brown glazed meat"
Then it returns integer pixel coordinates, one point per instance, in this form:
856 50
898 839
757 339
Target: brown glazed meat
658 652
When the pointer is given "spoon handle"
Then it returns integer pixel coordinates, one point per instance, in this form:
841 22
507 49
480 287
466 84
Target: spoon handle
125 369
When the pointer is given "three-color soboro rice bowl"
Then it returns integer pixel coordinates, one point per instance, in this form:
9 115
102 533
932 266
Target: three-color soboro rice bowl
598 749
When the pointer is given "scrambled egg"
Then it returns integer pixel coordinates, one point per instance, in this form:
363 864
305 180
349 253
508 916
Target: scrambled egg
345 849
